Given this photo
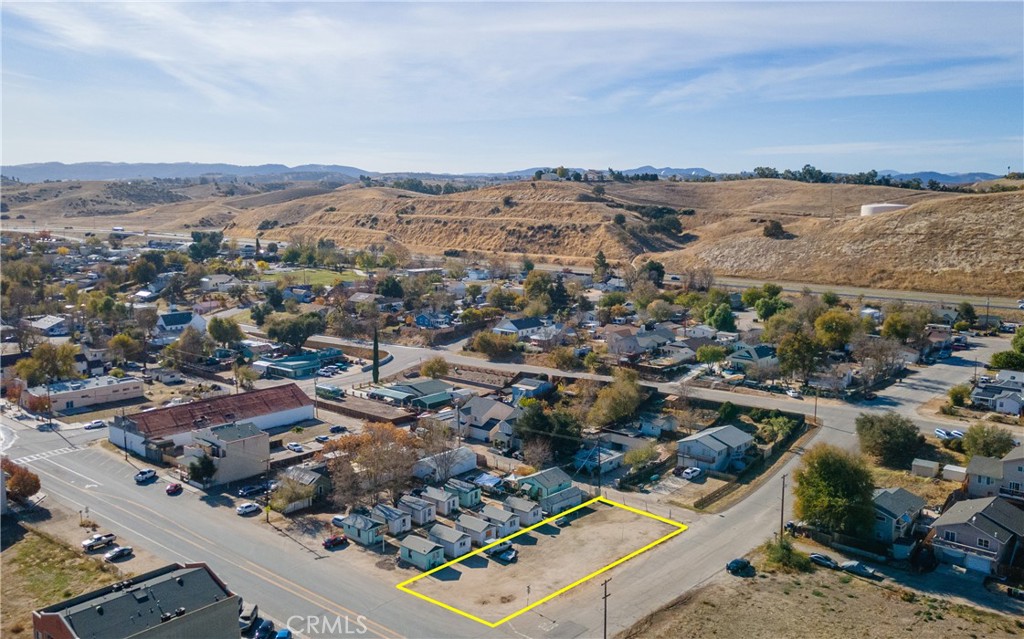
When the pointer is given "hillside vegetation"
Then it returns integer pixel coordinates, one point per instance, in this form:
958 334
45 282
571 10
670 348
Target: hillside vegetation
943 242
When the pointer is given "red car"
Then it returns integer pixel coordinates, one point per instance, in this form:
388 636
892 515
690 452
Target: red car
335 540
173 489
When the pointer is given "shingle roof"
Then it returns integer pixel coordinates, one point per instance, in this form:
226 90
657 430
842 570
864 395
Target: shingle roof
985 466
175 319
493 512
414 503
897 501
525 323
550 478
437 494
419 545
219 410
992 515
720 436
475 524
359 522
382 512
446 533
521 504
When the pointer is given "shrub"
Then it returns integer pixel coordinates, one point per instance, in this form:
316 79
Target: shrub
774 229
780 554
959 394
727 411
890 437
619 219
987 440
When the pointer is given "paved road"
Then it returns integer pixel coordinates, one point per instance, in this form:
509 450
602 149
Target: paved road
287 578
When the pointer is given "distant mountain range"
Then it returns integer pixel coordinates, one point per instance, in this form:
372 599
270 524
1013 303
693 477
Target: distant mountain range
128 171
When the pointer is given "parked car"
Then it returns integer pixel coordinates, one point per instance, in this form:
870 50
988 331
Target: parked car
248 615
740 567
264 630
96 423
338 429
984 379
294 447
498 549
323 372
247 508
562 522
824 561
691 473
144 476
792 392
859 569
322 439
173 489
334 541
510 556
250 491
99 540
283 633
120 552
943 434
337 519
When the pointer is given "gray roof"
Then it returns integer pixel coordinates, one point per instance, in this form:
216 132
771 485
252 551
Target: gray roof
1016 453
521 504
127 612
437 493
420 545
985 466
525 323
383 512
896 501
234 431
461 486
992 515
530 382
424 387
549 478
303 476
359 522
493 512
447 534
721 436
415 503
475 524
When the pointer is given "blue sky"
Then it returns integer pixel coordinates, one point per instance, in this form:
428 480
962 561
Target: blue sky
459 87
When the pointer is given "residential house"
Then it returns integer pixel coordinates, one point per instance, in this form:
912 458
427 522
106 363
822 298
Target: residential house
654 425
47 325
545 483
218 283
420 552
444 465
896 510
397 521
363 530
176 321
478 417
481 532
433 320
477 273
979 534
597 460
238 450
420 511
177 600
468 494
1004 395
529 387
454 542
702 330
716 448
938 338
423 388
313 476
529 511
1012 485
552 336
302 293
759 356
506 521
562 500
444 502
984 476
89 366
521 328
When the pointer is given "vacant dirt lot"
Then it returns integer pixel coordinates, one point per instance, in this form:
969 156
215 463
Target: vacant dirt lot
821 605
549 558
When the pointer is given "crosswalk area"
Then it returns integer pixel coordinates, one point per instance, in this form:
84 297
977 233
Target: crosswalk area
28 459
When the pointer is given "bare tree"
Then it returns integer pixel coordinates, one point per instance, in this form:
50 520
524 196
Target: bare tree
763 371
537 452
438 440
384 455
879 357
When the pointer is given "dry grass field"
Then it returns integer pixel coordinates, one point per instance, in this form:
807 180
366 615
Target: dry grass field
943 242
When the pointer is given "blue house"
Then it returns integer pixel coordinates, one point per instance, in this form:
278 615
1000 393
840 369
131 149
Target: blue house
432 320
362 529
530 387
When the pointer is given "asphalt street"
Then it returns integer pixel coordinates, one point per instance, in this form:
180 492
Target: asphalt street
286 577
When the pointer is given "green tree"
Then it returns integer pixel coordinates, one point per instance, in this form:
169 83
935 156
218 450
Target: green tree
967 313
502 298
537 283
637 458
246 376
202 470
1010 360
492 345
834 490
767 307
1018 340
294 331
124 347
376 356
798 355
659 310
771 290
142 271
711 354
720 317
434 367
892 438
834 328
752 296
830 299
190 347
959 394
390 286
225 330
619 219
617 400
559 429
987 440
473 291
601 265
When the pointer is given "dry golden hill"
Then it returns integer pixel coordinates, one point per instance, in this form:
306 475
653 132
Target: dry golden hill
969 243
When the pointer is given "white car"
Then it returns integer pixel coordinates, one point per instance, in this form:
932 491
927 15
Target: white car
247 508
96 423
691 473
295 448
795 394
956 434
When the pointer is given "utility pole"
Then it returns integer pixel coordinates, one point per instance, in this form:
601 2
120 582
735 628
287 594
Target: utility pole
605 596
782 509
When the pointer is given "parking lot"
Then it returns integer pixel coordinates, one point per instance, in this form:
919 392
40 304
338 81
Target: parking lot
671 488
550 558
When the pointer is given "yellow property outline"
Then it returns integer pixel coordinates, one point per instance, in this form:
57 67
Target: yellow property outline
678 529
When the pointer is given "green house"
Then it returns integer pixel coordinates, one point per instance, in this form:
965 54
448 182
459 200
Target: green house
421 553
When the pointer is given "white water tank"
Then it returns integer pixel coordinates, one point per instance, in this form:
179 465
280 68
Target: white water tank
875 209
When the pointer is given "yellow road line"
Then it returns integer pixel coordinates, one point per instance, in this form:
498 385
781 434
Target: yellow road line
679 528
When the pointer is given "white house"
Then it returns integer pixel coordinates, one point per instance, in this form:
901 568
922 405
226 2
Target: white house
480 531
479 416
454 542
520 328
506 521
396 520
176 321
714 448
420 510
529 511
444 502
701 330
218 282
449 463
